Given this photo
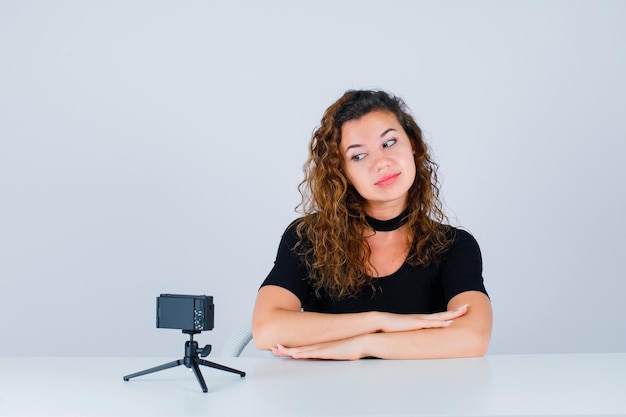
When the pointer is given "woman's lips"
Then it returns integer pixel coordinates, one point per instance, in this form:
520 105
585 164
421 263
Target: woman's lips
387 179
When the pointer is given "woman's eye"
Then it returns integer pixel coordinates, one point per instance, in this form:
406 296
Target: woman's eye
358 157
389 143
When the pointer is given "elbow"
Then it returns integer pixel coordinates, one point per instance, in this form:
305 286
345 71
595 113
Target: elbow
476 345
261 336
259 343
478 348
472 344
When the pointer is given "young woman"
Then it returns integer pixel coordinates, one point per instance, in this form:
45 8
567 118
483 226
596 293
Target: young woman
372 269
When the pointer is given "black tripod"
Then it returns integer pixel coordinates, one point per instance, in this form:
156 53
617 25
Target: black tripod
191 360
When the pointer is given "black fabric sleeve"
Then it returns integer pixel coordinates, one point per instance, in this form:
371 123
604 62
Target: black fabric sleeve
462 267
289 271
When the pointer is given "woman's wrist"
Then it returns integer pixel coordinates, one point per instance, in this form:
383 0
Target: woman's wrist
377 320
385 322
367 345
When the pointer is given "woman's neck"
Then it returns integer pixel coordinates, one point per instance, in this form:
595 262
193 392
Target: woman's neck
389 224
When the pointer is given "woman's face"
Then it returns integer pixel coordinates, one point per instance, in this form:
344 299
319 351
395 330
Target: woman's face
378 161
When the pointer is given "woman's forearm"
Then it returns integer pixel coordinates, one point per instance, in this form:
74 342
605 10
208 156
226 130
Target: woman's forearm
278 319
450 342
295 328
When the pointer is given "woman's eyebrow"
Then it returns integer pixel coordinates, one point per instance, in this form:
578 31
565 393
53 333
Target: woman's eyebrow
356 145
391 129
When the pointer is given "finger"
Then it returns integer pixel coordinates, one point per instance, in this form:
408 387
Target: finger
431 324
300 350
313 353
450 314
306 354
459 311
280 351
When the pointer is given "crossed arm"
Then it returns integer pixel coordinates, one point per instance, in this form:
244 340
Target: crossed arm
461 331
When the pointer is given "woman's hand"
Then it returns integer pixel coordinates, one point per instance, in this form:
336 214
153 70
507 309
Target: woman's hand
390 322
346 349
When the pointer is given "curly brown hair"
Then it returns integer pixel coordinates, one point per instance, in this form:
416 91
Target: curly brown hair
331 232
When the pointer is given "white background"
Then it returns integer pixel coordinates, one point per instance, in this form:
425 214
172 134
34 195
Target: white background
156 146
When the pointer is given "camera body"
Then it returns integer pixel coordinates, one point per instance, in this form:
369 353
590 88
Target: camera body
185 312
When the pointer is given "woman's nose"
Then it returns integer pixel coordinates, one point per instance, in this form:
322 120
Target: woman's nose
380 161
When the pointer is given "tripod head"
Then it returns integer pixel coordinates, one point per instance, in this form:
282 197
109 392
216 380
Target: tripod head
191 346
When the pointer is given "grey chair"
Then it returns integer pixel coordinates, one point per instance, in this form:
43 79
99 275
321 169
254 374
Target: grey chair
237 341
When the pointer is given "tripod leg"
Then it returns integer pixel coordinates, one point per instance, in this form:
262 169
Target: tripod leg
220 367
155 369
196 370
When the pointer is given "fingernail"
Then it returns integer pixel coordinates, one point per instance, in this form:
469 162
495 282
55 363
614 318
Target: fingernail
462 307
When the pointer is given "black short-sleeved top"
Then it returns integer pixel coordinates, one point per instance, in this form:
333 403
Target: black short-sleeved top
411 289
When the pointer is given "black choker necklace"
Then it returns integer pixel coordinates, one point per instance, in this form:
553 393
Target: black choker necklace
388 225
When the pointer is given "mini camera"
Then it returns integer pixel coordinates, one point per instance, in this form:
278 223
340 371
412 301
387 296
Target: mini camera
191 314
186 312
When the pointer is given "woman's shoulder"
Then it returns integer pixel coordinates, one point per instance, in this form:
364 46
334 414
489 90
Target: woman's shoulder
299 220
309 220
458 234
291 232
460 239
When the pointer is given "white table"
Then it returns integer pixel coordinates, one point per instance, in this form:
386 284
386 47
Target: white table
520 385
